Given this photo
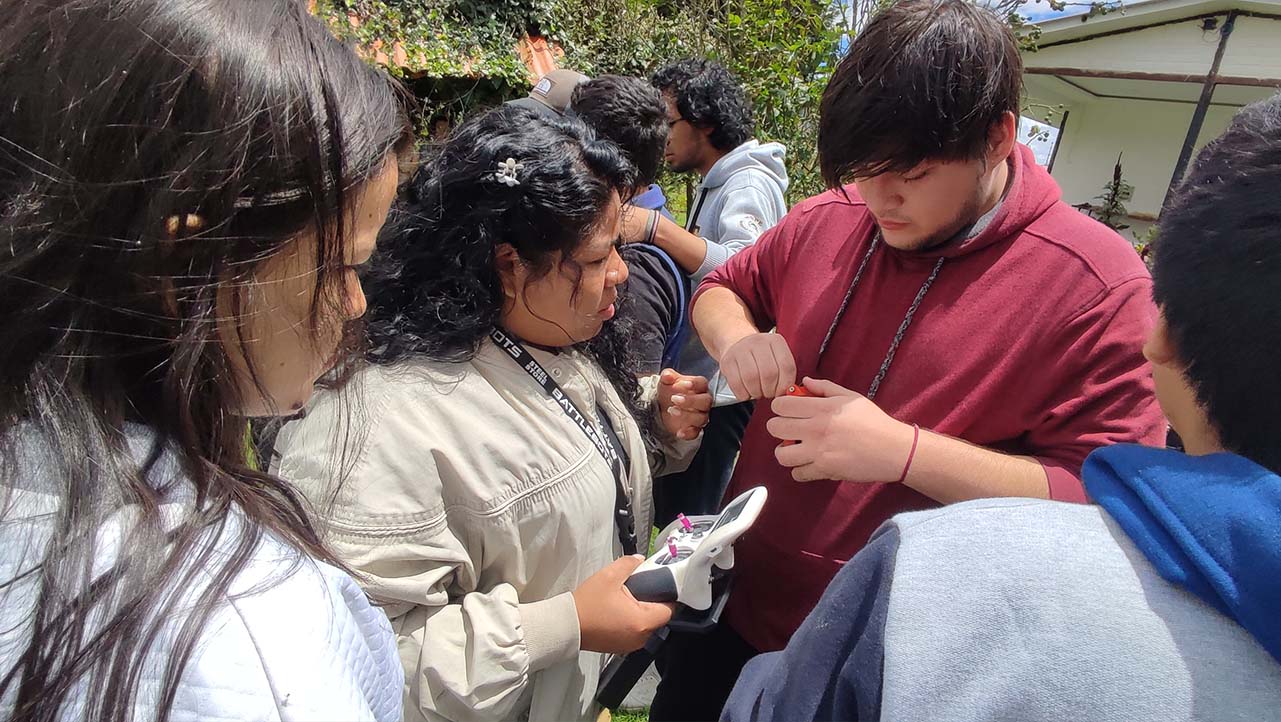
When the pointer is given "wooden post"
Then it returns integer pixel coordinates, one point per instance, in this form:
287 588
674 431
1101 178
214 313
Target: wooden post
1058 141
1203 104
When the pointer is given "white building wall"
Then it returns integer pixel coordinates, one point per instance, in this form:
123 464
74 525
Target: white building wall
1181 48
1148 134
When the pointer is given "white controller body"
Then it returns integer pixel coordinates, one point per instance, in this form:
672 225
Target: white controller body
687 576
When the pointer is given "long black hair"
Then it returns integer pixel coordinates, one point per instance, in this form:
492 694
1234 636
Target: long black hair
434 287
125 121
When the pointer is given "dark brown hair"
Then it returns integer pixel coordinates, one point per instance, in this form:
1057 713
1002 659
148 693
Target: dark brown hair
1216 272
119 116
926 79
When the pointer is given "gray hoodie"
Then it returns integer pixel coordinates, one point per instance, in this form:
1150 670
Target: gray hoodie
741 198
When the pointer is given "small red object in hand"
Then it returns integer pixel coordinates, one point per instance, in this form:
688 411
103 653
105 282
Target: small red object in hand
796 391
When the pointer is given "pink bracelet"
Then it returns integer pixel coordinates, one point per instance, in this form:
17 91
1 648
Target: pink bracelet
916 437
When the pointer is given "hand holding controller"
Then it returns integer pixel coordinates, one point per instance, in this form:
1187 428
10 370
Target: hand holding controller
682 570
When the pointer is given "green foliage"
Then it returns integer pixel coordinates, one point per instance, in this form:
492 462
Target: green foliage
782 50
454 55
437 38
460 56
1145 243
1111 209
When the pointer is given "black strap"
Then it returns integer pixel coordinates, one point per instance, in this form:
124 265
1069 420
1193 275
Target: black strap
608 444
691 222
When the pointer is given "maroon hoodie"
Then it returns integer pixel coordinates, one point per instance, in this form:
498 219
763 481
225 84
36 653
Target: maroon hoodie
1028 342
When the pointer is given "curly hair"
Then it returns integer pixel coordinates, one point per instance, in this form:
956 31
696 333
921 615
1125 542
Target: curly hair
630 113
1215 276
709 96
433 286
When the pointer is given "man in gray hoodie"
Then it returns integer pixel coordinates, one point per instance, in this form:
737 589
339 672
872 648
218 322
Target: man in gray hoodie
741 196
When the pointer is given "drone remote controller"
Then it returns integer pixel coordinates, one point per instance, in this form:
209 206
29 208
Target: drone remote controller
682 570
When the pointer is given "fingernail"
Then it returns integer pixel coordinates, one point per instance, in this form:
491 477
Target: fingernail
673 411
678 399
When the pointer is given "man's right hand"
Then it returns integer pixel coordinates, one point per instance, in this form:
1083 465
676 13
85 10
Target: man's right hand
759 366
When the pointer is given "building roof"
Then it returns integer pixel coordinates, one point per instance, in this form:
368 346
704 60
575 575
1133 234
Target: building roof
1146 14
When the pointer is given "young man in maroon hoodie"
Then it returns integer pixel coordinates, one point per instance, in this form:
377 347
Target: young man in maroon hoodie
963 333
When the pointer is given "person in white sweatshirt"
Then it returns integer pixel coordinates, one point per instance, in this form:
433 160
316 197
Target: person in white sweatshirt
741 196
183 209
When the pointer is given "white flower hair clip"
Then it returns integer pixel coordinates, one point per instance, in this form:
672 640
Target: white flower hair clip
507 172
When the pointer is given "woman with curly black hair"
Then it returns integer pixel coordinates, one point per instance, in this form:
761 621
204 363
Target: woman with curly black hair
503 459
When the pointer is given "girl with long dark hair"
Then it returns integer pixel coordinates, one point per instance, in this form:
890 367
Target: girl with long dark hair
186 187
503 468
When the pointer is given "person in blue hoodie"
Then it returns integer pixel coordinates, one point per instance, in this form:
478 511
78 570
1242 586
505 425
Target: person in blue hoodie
1163 602
630 113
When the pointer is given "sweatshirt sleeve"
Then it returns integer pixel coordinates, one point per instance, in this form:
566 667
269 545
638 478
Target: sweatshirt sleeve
1101 392
653 299
746 214
468 653
832 667
757 273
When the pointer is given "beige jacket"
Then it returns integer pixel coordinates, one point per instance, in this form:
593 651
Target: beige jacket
473 507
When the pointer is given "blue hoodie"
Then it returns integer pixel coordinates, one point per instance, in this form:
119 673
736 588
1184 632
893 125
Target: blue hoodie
653 199
1210 524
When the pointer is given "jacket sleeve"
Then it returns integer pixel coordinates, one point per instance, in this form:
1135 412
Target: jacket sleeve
746 214
832 667
1102 392
468 653
653 299
467 656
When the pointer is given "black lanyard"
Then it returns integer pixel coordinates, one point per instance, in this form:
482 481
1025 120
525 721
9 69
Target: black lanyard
608 443
902 329
691 223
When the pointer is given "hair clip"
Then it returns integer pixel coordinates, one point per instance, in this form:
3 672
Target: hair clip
507 172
